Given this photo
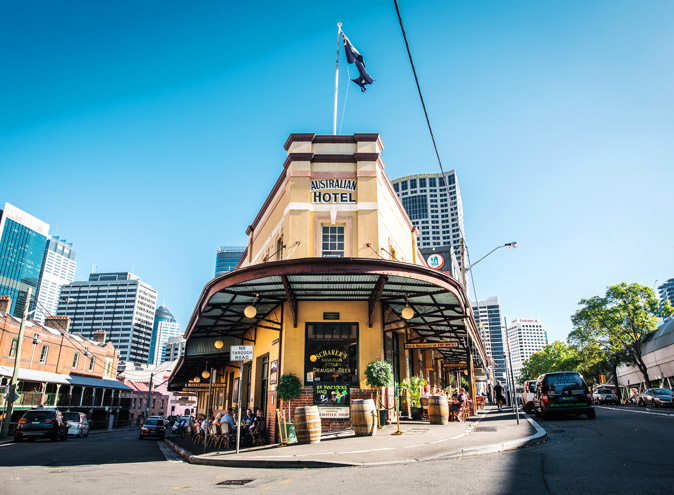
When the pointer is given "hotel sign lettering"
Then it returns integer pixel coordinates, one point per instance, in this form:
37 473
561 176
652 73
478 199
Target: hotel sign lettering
325 191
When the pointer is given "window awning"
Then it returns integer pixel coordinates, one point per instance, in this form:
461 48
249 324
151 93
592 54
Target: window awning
442 313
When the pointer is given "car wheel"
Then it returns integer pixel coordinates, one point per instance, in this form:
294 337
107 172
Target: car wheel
80 434
87 434
537 413
641 403
591 414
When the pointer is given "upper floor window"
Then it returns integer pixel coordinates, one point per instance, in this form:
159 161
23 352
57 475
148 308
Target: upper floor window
12 347
76 359
43 354
332 241
92 362
422 182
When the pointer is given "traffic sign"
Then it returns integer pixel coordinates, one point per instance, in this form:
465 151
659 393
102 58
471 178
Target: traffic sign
241 353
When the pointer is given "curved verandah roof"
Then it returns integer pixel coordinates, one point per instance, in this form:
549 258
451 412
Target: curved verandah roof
441 311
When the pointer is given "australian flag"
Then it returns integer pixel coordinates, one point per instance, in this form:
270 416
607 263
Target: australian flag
354 57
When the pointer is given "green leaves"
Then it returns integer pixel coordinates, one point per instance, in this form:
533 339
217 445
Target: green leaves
378 374
289 387
558 356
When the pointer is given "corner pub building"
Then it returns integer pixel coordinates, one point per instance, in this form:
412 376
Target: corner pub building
332 261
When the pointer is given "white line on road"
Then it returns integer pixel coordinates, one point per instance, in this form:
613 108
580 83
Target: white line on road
170 454
637 411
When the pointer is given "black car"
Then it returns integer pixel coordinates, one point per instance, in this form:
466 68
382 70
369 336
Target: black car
562 393
41 423
153 427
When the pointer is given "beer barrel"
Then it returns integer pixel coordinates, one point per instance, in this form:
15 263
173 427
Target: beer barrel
363 417
307 424
438 410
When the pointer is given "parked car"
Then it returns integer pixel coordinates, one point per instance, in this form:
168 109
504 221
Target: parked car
153 427
78 424
605 395
562 393
41 423
183 422
656 397
161 418
528 396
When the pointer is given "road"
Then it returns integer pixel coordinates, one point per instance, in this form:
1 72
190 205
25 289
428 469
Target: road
625 450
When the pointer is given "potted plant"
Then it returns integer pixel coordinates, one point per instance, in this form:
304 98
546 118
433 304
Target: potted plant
289 387
413 388
379 374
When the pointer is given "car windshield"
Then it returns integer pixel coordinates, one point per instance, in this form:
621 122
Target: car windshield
604 391
151 422
38 415
71 416
662 391
532 386
565 382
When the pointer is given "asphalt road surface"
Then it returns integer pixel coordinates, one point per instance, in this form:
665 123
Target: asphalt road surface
623 451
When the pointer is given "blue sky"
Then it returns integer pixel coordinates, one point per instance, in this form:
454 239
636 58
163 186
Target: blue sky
150 133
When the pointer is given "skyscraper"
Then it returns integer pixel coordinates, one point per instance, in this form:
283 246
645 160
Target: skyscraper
22 244
227 258
667 292
58 269
121 304
165 327
439 219
526 336
489 318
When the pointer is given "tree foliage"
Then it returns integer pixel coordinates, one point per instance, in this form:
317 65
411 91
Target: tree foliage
558 356
378 374
614 327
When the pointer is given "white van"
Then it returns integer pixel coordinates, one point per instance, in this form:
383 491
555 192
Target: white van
528 396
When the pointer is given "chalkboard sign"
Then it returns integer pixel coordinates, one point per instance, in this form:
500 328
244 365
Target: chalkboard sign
331 394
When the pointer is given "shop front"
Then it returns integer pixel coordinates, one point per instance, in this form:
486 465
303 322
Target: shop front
331 281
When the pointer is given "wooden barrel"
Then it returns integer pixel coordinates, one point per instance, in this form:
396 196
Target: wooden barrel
307 424
363 417
438 410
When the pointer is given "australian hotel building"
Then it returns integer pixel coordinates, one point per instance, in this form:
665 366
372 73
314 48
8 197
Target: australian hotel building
337 281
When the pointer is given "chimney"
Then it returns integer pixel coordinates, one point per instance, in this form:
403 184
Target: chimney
5 304
99 336
58 322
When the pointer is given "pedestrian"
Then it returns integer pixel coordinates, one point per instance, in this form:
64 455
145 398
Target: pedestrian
500 399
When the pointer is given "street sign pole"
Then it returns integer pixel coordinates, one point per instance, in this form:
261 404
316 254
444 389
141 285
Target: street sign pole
238 418
240 353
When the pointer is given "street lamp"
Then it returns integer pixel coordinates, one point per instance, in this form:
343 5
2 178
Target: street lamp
508 244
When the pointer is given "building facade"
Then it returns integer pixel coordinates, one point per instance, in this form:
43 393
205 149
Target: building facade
119 303
58 269
331 281
175 348
165 327
526 336
666 292
227 258
23 239
489 319
60 369
438 217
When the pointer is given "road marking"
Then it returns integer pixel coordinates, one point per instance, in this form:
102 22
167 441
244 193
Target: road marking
169 454
265 488
285 481
637 411
180 487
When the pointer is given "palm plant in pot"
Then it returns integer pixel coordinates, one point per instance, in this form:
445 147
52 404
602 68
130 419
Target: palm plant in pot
412 386
379 374
289 388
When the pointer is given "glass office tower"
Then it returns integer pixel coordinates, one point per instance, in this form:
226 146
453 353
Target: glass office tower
227 259
489 318
165 327
23 239
58 269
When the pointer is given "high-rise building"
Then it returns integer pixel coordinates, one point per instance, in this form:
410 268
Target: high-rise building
120 304
439 218
667 292
489 318
227 258
165 326
58 269
526 336
175 348
22 244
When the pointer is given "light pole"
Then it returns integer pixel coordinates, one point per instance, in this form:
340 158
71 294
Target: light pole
507 244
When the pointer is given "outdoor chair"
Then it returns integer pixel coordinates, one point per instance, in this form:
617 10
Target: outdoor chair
258 434
227 437
424 407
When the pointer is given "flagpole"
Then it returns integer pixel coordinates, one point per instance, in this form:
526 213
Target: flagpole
334 117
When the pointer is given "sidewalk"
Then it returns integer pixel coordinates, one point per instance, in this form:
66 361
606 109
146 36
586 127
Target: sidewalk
489 431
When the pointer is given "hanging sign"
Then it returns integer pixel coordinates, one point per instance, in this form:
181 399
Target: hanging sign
455 366
435 261
431 345
241 353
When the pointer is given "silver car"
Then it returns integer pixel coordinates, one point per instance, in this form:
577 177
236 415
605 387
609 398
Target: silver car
77 422
656 397
605 395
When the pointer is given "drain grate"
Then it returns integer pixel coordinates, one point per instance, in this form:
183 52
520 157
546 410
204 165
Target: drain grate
234 482
484 428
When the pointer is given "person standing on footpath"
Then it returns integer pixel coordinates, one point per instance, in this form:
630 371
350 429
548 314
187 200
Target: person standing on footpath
500 399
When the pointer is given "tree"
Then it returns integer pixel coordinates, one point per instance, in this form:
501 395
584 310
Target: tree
619 323
558 356
289 388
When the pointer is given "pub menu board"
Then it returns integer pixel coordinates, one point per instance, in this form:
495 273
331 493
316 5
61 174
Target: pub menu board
331 394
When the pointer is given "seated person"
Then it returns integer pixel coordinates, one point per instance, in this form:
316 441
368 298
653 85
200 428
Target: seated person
229 419
247 420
